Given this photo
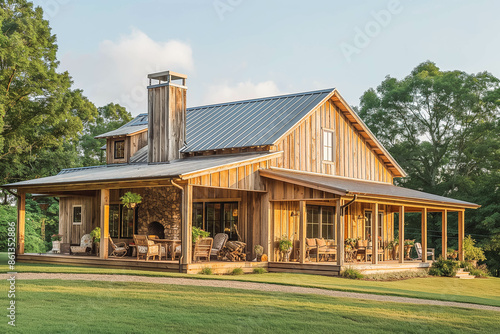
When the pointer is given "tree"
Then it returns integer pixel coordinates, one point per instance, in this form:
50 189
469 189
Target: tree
443 128
40 115
110 117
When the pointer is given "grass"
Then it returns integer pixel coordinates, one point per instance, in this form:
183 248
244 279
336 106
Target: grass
479 291
58 306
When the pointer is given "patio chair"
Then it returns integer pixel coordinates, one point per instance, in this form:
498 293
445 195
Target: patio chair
146 247
120 249
219 242
418 248
202 248
324 250
163 250
311 246
85 245
361 249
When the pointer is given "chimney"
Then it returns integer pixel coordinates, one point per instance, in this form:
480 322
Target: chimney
166 116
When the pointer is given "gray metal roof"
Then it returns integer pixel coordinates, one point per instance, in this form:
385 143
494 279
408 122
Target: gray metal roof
138 171
140 156
345 186
137 124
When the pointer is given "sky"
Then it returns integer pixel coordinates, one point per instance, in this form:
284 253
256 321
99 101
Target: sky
240 49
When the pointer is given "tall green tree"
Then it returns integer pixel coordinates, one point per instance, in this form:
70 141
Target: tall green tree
443 128
40 114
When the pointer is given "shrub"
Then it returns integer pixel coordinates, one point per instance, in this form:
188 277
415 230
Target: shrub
206 271
472 252
351 273
237 271
467 266
397 275
259 271
481 271
444 267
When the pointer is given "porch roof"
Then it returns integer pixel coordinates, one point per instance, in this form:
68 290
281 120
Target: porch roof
348 186
142 171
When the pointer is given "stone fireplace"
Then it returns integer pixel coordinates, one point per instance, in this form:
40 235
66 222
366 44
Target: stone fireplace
160 207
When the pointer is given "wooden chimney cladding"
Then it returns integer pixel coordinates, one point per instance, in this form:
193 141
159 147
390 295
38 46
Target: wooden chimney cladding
167 120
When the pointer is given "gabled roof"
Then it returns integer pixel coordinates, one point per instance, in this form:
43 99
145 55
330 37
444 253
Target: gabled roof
144 171
347 186
138 124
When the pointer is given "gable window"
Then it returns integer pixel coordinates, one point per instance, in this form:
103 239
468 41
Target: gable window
328 145
320 222
119 149
77 214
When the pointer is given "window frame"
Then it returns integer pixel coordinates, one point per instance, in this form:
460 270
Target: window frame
320 221
324 145
73 214
115 151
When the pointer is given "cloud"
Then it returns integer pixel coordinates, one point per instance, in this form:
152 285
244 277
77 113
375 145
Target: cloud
117 71
240 91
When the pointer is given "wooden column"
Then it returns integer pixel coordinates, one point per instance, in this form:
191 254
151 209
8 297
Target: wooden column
187 224
401 234
444 233
461 235
375 223
266 223
21 221
302 231
104 223
340 234
424 235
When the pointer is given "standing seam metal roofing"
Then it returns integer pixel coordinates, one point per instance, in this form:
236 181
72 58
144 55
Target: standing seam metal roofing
139 123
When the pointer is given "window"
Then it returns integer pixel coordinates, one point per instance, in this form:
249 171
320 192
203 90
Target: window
328 145
381 226
122 221
320 222
114 220
217 217
77 214
127 222
368 225
119 149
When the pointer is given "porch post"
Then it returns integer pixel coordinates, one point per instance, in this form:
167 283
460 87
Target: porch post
444 237
401 234
104 224
340 234
187 222
461 234
424 235
375 223
21 221
302 231
266 221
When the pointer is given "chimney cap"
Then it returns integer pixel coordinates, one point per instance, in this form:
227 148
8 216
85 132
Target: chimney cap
167 76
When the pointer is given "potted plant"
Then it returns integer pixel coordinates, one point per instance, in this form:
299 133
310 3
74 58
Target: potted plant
96 235
285 247
56 243
395 248
472 253
451 254
408 246
351 242
130 199
259 250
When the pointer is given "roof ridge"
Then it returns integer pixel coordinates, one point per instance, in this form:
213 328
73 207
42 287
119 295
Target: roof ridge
262 98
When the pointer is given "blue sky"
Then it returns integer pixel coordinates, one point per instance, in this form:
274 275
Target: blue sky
238 49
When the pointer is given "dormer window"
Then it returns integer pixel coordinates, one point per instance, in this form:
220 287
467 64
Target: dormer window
120 149
328 145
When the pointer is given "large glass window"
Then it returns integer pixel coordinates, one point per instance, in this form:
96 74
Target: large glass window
219 218
114 220
328 145
320 222
198 215
368 225
127 226
381 225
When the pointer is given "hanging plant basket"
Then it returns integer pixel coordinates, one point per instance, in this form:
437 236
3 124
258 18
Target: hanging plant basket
130 199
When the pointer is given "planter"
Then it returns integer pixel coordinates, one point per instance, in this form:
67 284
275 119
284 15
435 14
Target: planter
395 252
56 246
408 250
97 244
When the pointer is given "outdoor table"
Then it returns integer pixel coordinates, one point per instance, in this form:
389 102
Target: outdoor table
169 244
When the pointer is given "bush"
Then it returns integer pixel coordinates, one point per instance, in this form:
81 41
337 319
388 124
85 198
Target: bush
259 271
237 271
481 271
397 275
206 271
471 252
351 273
467 266
444 267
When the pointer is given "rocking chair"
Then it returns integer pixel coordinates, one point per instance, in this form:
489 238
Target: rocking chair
120 249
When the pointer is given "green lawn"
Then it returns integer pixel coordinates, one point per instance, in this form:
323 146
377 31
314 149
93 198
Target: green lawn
57 306
479 291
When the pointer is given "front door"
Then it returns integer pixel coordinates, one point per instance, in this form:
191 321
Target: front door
222 218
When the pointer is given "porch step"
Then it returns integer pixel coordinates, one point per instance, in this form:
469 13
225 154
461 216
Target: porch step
463 274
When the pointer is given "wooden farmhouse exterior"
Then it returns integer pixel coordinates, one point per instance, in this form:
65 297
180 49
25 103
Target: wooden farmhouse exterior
300 165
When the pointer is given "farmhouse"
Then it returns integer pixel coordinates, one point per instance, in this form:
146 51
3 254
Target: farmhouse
302 167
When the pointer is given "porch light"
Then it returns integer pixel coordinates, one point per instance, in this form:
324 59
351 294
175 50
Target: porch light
294 214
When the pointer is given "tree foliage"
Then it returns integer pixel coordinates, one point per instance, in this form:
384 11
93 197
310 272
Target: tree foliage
443 128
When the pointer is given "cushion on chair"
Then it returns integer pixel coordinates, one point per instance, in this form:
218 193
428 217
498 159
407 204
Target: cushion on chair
178 249
321 242
78 249
311 242
120 249
142 249
219 240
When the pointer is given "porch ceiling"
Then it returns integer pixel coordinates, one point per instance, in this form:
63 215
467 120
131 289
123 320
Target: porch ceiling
346 186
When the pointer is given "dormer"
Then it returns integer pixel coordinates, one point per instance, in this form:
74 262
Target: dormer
124 142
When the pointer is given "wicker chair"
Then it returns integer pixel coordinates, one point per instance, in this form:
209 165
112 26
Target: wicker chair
146 247
85 245
219 242
202 248
325 250
120 249
163 250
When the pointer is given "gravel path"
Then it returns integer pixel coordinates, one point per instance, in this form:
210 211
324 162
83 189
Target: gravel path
245 286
